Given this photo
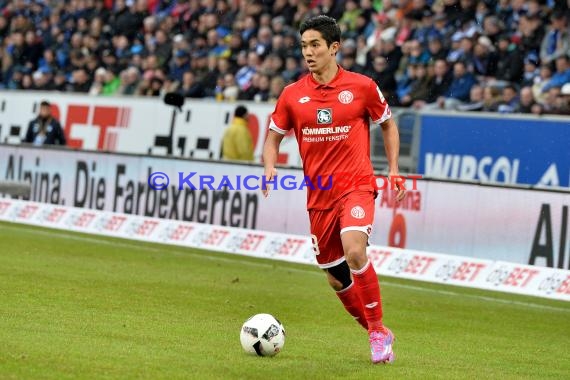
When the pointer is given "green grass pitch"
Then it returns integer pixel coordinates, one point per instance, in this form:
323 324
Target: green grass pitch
75 306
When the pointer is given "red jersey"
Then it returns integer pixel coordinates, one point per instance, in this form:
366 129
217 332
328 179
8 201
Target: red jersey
331 123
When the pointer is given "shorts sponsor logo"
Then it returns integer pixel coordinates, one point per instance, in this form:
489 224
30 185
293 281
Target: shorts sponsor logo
324 116
357 212
345 97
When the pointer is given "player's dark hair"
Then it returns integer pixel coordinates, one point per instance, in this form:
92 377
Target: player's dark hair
326 25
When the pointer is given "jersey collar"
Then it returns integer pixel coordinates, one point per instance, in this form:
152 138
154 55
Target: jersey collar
332 84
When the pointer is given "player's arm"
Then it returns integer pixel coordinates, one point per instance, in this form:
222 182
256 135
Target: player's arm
392 146
380 113
270 153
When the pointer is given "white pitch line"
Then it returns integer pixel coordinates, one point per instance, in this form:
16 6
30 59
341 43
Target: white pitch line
235 259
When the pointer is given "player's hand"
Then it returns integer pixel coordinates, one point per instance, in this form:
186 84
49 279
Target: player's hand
398 185
269 174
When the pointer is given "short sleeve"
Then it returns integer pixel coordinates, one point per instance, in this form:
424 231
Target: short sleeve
280 118
376 105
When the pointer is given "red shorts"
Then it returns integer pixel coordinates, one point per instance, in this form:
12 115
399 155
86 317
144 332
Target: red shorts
353 212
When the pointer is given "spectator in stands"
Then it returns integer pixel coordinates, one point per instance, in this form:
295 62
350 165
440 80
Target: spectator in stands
180 65
80 81
45 129
384 79
493 27
276 88
527 103
475 102
261 93
440 81
540 82
556 42
405 83
230 89
237 143
510 101
436 49
98 82
420 89
129 81
562 74
552 101
191 88
565 99
245 74
461 83
484 58
491 99
349 63
531 70
292 70
61 46
390 50
510 62
531 32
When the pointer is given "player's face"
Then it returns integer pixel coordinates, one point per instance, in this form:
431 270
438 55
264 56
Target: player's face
316 52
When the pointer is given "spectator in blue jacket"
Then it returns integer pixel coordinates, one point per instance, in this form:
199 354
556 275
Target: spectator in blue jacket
562 74
461 83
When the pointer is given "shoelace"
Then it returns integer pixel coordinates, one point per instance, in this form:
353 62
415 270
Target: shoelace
377 337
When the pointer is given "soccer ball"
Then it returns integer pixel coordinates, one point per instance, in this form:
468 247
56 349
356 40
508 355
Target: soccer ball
263 335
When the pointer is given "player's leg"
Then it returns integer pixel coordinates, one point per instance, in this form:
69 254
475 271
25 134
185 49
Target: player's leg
340 279
356 222
330 257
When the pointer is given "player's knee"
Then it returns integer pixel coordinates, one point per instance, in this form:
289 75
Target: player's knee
356 257
339 276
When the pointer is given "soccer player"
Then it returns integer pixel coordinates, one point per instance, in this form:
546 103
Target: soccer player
330 111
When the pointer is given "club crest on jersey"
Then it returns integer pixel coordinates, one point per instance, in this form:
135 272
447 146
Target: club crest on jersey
345 97
324 116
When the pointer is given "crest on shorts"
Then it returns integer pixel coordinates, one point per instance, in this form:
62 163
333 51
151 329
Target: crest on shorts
357 212
345 97
324 115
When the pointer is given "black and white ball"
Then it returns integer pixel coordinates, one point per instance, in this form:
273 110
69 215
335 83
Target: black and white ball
262 335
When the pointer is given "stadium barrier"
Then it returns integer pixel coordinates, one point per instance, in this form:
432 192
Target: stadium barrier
484 147
510 149
518 225
388 261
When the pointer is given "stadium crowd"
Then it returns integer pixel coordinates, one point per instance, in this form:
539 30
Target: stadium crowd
486 55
